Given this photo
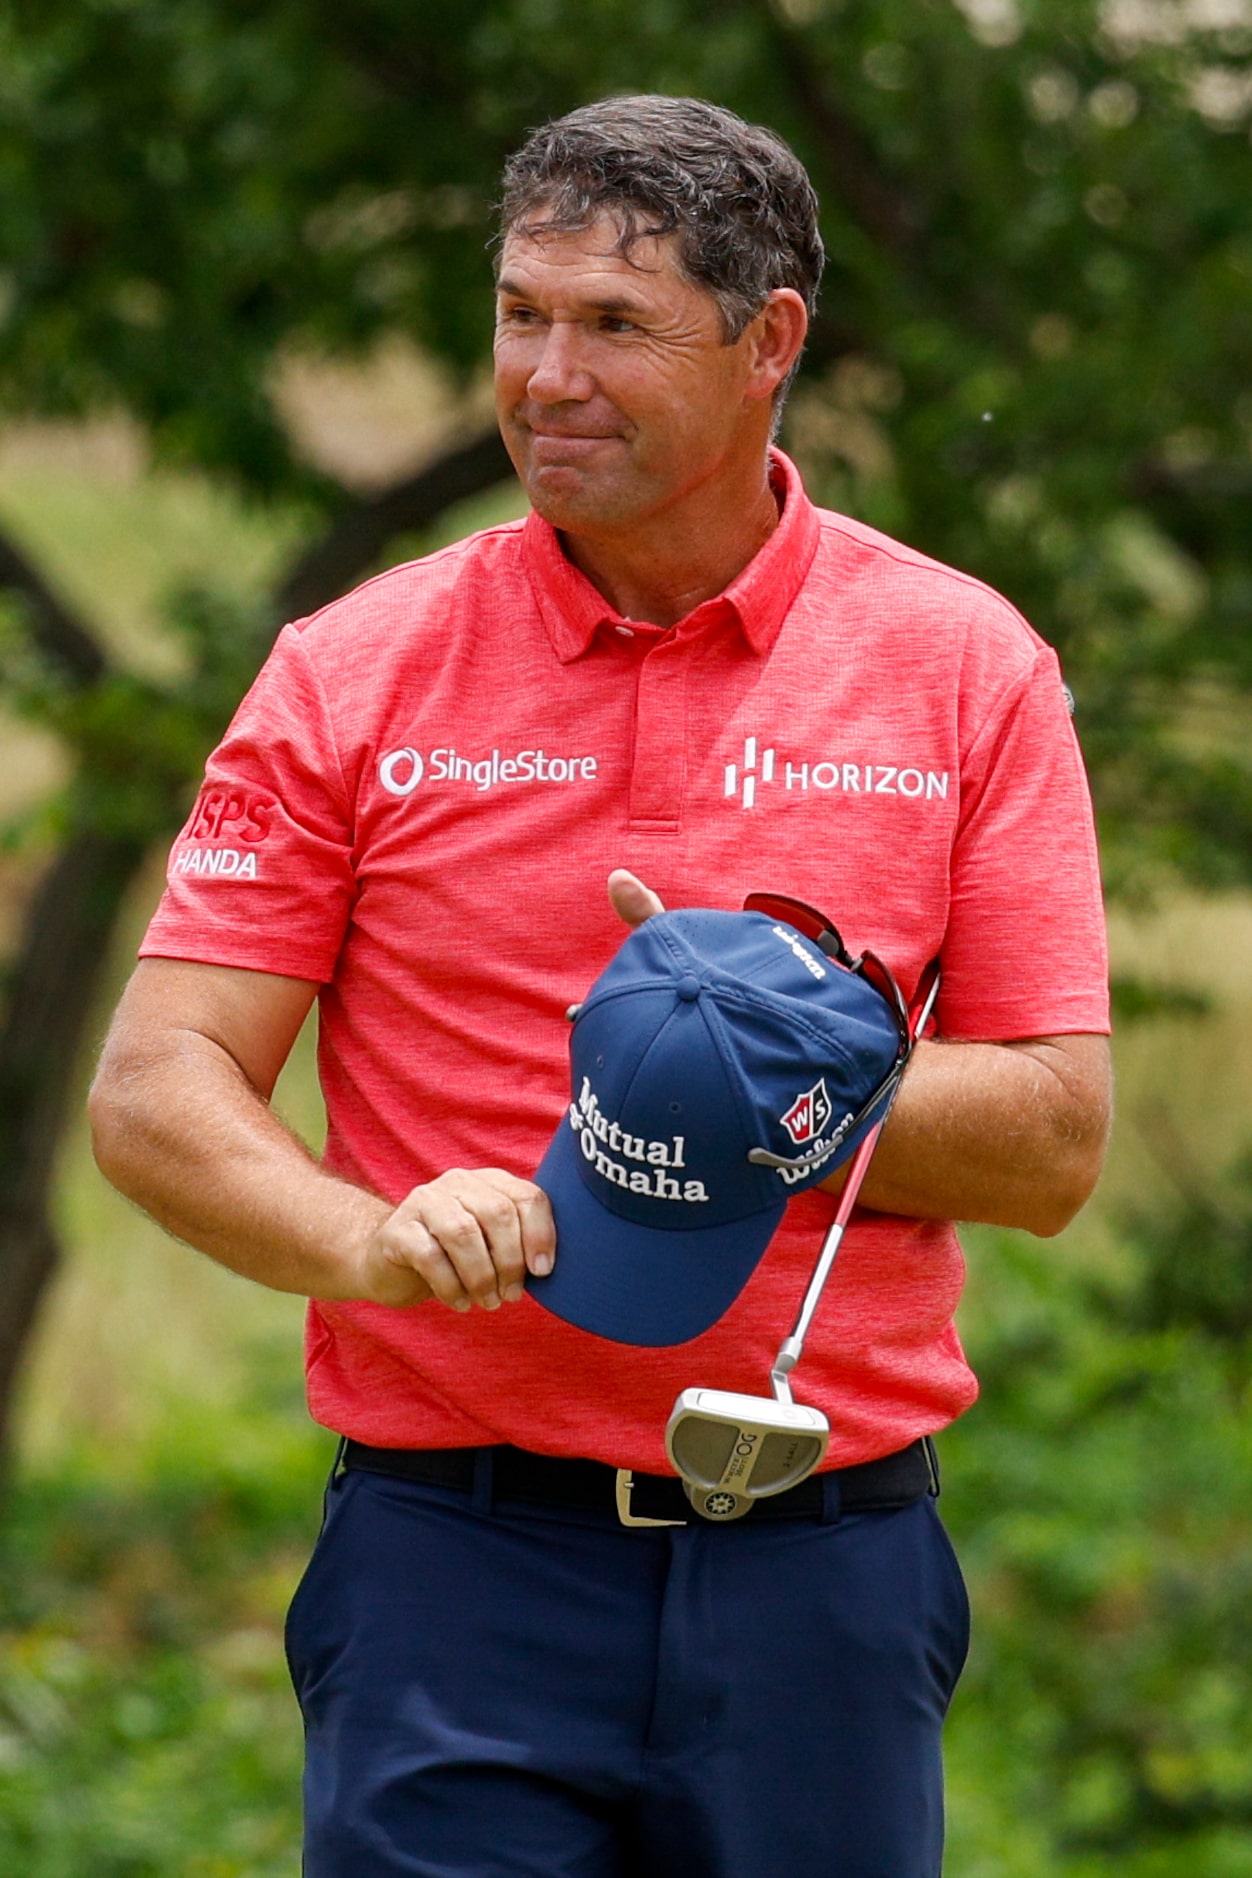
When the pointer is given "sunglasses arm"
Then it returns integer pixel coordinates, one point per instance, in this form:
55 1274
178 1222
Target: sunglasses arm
792 1347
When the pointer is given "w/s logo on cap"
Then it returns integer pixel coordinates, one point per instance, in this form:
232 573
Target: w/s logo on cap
808 1114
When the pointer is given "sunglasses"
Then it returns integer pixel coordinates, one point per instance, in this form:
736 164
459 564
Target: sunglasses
825 934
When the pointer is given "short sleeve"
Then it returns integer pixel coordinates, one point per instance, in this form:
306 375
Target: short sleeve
261 875
1025 952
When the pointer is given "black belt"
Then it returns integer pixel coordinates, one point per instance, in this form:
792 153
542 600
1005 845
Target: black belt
639 1499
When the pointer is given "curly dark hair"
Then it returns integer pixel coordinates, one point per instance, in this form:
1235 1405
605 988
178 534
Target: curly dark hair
736 198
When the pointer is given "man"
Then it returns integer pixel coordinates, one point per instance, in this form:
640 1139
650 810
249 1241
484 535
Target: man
678 676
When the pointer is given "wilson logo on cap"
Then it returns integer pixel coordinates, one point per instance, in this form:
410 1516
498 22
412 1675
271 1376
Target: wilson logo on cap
808 1114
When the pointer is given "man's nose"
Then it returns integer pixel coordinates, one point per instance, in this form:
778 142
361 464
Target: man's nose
561 374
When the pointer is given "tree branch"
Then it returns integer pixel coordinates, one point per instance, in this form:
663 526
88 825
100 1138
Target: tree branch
1197 505
1202 483
355 541
51 984
61 639
883 209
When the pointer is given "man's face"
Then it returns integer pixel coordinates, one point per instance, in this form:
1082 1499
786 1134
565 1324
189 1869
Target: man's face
616 393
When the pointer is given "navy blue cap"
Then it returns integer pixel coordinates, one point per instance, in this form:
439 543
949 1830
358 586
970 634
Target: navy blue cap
720 1064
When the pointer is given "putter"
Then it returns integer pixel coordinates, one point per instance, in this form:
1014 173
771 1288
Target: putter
731 1449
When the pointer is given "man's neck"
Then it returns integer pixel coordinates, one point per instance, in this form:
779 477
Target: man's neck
661 573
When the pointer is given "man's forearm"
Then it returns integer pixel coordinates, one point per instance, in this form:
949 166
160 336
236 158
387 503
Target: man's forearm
1009 1134
195 1145
181 1123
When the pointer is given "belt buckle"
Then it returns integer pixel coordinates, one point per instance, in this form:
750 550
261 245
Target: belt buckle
624 1487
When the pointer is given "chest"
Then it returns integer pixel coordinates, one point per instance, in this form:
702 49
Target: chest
496 798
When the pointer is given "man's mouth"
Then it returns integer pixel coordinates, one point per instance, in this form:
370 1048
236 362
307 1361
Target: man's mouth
552 434
549 446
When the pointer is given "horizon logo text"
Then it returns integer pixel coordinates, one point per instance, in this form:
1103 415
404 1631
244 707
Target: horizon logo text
763 767
400 771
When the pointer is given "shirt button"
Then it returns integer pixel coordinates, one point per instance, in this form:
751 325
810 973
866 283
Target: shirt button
626 631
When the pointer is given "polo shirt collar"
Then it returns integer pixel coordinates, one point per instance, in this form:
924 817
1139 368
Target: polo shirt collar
757 600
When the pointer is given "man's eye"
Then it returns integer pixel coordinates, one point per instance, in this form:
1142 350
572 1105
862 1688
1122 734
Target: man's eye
614 323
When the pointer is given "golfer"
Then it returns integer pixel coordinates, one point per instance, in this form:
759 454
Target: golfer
680 678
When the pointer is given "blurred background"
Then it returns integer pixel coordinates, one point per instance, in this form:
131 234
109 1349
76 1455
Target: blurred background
244 326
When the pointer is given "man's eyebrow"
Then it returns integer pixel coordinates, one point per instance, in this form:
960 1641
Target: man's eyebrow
615 304
611 303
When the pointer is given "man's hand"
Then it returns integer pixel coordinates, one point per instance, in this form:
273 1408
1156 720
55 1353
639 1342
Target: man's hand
466 1238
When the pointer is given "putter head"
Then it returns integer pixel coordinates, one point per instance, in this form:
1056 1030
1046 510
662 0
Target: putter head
743 1446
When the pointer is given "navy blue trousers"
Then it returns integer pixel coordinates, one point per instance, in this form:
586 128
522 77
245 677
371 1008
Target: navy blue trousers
507 1692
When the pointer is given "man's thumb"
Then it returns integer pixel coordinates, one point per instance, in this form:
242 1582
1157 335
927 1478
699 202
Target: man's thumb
632 901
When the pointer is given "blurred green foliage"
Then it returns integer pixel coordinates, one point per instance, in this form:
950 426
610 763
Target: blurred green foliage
147 1727
1100 1502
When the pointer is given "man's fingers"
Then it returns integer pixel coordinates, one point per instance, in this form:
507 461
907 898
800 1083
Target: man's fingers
411 1250
472 1237
477 1228
536 1229
443 1243
538 1232
632 901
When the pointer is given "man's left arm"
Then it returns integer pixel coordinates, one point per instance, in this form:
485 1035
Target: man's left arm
1010 1134
1011 1130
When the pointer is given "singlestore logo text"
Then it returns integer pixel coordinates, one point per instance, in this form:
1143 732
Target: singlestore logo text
401 771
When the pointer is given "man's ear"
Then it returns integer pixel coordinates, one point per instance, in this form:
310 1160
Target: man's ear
776 337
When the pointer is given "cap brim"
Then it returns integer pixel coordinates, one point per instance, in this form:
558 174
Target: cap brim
637 1284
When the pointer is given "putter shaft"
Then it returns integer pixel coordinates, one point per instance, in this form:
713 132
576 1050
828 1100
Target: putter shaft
792 1347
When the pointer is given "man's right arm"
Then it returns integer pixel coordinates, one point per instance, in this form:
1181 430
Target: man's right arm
181 1123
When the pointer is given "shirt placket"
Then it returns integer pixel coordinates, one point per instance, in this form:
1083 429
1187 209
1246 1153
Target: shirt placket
658 780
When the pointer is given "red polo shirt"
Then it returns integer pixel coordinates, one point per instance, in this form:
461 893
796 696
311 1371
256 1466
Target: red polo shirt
417 807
